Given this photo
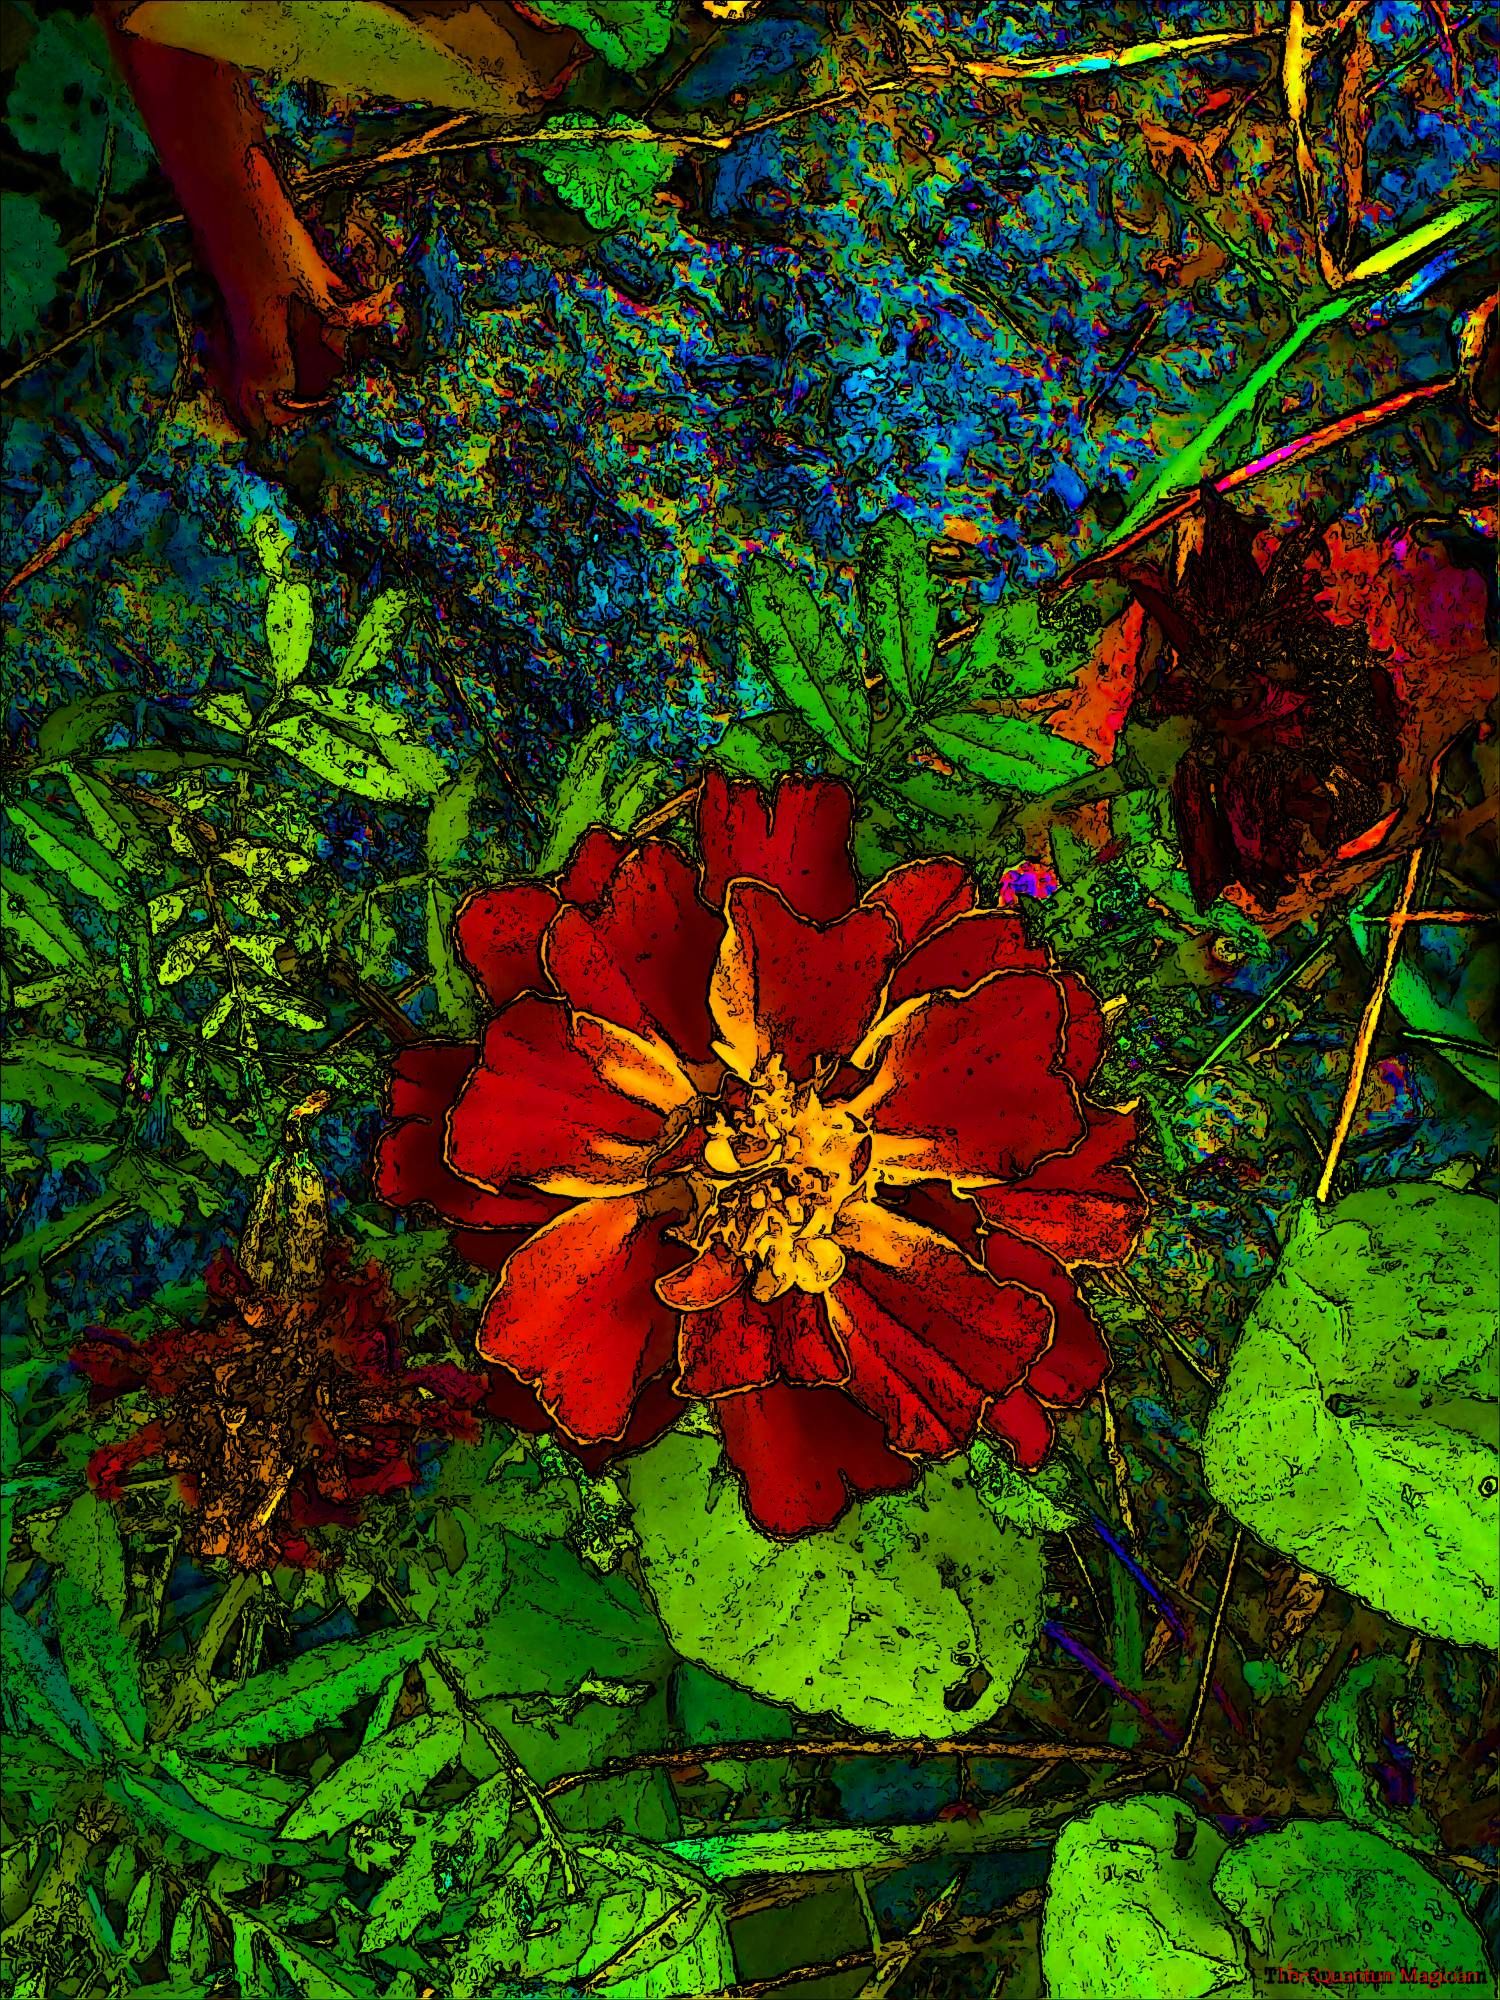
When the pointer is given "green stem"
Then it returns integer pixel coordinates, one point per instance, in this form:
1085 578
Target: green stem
220 1624
520 1777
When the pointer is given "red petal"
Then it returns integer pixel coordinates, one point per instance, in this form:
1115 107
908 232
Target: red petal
1082 1206
701 1283
499 932
1077 1361
743 1344
962 953
787 986
543 1105
108 1465
1085 1037
799 844
657 1409
409 1163
930 1335
112 1361
590 865
576 1315
643 955
805 1454
966 1090
920 895
1024 1425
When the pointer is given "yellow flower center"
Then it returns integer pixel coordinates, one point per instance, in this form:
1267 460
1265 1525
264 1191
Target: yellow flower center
775 1171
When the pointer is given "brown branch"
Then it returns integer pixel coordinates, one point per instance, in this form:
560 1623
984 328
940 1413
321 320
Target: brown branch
963 1934
1210 1652
691 1758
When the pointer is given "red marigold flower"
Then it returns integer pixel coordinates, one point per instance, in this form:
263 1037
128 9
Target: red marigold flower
739 1132
1296 733
277 1412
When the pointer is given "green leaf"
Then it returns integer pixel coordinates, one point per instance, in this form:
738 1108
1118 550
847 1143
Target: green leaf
641 1927
303 1694
354 757
1185 468
1008 750
610 181
394 1768
68 100
185 955
377 635
580 796
244 1794
1317 1892
1131 1913
90 1600
60 1079
118 830
883 1620
225 711
1357 1428
706 1709
899 602
30 916
32 268
163 1806
629 34
448 822
465 1837
795 643
77 724
756 748
289 630
292 1013
1015 653
38 1687
190 1947
143 1919
454 988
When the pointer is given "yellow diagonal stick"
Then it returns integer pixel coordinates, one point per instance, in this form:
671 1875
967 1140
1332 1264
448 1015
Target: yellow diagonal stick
1369 1021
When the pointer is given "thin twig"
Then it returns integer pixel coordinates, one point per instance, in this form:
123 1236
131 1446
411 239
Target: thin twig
92 326
1364 1039
821 1747
1210 1651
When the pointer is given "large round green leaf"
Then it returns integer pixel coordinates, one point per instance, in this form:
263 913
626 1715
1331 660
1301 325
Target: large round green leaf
1145 1901
913 1615
1130 1911
1358 1428
1321 1893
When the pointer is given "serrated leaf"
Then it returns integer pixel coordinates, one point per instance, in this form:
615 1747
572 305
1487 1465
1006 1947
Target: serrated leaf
795 643
184 956
37 1685
143 1919
292 1013
262 862
378 633
1357 1426
1007 750
162 1805
225 711
190 1948
1014 653
387 1772
289 630
90 1598
303 1694
580 796
899 603
31 916
354 760
61 1080
244 1794
753 748
75 855
116 828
